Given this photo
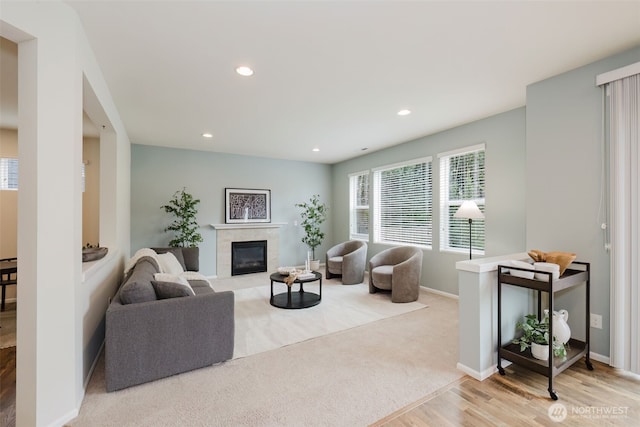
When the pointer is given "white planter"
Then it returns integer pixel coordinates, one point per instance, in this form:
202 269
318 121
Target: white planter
539 351
315 265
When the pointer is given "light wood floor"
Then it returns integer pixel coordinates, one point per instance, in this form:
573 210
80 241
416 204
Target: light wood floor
602 397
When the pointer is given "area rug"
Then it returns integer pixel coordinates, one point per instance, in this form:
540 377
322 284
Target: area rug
7 328
354 377
261 327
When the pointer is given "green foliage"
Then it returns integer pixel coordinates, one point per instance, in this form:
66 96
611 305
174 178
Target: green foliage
536 331
313 214
183 207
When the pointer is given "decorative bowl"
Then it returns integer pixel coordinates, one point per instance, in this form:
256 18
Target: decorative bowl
93 254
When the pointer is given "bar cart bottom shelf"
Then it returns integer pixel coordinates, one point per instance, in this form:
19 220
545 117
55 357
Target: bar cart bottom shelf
576 349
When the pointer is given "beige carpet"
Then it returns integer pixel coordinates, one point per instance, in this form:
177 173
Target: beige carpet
8 328
349 378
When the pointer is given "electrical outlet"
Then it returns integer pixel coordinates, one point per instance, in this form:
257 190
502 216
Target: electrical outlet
596 321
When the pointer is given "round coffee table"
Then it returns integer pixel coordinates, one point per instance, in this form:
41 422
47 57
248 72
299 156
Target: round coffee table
298 299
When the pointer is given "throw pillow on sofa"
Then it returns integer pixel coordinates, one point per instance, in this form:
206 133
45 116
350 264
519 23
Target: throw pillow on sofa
178 282
165 290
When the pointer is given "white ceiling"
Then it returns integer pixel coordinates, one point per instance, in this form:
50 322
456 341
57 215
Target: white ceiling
332 75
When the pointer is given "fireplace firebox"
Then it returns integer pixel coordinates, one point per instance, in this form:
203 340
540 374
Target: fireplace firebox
248 257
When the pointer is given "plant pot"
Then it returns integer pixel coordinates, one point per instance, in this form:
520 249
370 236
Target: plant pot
539 351
314 265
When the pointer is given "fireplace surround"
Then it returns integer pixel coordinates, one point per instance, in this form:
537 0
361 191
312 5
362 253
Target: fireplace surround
228 233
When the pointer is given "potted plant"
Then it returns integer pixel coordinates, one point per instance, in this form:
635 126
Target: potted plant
184 208
535 334
313 215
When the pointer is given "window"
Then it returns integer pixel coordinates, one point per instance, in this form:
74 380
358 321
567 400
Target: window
461 178
8 173
403 211
359 205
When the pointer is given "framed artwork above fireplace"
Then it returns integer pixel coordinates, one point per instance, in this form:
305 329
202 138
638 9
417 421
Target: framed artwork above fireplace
247 205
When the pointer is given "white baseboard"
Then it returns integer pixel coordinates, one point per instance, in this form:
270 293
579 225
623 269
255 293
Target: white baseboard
93 366
441 293
599 358
481 376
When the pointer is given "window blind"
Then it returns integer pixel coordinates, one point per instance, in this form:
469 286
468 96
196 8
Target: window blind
462 177
8 173
403 212
359 205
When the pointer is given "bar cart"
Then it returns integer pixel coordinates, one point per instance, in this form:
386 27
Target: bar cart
577 274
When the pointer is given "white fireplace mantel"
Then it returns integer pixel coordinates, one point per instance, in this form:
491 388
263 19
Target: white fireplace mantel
240 225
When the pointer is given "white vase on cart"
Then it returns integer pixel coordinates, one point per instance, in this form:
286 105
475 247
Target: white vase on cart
561 329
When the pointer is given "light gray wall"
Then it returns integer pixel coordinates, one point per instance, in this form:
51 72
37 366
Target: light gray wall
504 135
564 185
157 173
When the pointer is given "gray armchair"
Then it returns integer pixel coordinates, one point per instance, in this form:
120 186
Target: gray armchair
347 259
397 269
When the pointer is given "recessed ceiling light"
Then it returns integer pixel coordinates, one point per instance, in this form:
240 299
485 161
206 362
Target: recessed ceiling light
244 71
207 135
316 149
404 112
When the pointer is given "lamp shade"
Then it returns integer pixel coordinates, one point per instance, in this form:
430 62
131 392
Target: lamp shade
469 210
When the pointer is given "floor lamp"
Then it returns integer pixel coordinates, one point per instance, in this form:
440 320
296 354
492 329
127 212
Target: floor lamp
470 211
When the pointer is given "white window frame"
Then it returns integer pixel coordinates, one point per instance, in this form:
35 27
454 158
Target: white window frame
6 168
354 208
446 202
427 242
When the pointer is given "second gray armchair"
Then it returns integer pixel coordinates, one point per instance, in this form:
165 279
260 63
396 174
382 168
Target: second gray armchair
397 269
347 259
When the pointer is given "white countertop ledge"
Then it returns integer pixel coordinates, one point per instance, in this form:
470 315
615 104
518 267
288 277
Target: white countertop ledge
238 225
483 265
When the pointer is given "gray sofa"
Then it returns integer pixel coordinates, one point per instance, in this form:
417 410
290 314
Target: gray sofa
149 338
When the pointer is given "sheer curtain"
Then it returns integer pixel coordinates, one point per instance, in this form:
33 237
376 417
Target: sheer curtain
624 158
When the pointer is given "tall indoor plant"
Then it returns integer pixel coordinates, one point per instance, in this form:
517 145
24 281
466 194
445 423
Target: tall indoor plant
184 208
314 213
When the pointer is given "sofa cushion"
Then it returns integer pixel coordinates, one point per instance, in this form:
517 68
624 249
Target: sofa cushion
201 287
169 263
191 258
138 287
335 264
382 276
166 290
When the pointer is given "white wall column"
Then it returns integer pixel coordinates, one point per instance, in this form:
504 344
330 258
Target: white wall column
478 315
